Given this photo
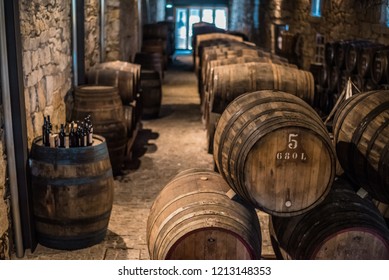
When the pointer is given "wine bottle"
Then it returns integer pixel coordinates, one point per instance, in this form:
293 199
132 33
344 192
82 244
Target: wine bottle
44 140
72 136
61 137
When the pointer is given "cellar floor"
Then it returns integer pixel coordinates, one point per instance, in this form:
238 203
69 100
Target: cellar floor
174 142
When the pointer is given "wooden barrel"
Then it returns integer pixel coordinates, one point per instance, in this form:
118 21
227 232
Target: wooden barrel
129 118
353 54
151 93
72 193
379 68
157 30
384 210
340 54
211 128
231 81
361 134
334 79
209 74
194 218
329 53
323 76
123 75
274 151
358 82
343 226
208 69
106 109
156 46
370 85
342 81
365 61
150 61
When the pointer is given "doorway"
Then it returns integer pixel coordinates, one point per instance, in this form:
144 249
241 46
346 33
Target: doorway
185 17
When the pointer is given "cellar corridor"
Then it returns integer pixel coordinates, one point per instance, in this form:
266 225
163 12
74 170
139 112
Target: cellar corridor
174 142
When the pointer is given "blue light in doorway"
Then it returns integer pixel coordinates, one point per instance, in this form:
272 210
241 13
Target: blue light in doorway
169 6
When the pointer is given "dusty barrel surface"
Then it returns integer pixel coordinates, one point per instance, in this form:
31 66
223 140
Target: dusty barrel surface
273 150
193 218
361 134
343 226
231 81
72 193
123 75
106 109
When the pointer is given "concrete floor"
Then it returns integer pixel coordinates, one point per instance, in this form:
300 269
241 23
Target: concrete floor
165 146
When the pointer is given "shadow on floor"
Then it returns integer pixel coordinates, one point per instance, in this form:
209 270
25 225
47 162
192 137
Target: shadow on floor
140 147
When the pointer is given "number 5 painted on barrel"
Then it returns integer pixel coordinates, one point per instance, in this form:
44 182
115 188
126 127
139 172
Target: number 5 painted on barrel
292 143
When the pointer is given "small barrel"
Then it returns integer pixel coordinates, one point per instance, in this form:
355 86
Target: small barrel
194 218
150 61
340 54
353 54
379 68
334 79
157 30
106 109
72 194
343 227
274 150
151 93
231 81
329 53
156 46
361 134
365 61
129 118
123 75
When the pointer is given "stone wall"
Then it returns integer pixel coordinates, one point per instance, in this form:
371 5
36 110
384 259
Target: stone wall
157 10
4 196
45 27
46 46
122 29
92 33
341 19
241 17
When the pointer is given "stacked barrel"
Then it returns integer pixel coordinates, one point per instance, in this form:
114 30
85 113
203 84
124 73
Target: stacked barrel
273 150
157 50
111 96
229 67
364 62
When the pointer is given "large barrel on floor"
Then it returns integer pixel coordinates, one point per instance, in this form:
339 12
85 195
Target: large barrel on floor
123 75
361 134
106 109
274 150
231 81
72 193
343 226
194 218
